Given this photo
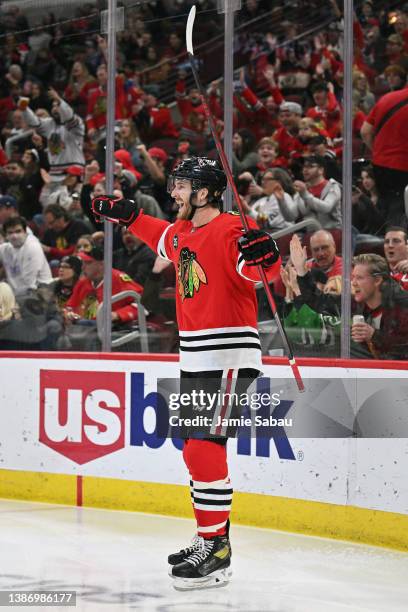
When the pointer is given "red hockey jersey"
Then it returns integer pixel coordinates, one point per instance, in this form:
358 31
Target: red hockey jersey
215 296
86 298
401 278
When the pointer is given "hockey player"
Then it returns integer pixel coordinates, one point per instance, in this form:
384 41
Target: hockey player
216 266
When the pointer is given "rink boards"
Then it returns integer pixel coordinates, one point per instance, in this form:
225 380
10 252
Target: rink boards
76 429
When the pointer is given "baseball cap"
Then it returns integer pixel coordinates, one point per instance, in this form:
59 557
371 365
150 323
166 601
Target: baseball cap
291 107
159 153
95 254
73 262
8 201
74 170
99 177
318 160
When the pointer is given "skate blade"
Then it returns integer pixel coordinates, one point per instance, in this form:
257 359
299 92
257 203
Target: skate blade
215 580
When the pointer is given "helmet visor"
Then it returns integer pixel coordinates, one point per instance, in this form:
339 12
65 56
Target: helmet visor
174 181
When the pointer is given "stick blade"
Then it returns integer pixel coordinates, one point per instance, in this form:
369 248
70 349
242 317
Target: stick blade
189 30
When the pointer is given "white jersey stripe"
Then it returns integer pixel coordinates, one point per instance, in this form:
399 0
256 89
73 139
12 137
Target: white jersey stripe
215 484
160 245
218 359
213 497
240 265
210 528
215 341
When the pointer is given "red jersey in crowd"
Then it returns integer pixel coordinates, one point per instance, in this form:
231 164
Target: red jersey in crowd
390 143
250 112
75 95
401 278
289 146
329 116
96 108
215 297
86 298
193 115
161 123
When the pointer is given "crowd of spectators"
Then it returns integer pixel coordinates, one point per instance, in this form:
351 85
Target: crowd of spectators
287 162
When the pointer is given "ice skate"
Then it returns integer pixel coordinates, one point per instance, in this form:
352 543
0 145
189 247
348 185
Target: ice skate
207 567
182 555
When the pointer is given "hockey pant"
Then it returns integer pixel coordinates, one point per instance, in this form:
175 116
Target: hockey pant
206 459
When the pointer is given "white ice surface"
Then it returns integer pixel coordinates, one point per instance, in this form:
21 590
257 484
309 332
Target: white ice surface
116 561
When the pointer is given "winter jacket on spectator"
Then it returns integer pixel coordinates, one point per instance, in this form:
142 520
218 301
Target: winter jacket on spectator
65 140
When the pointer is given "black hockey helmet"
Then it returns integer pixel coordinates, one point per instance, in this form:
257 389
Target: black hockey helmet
202 172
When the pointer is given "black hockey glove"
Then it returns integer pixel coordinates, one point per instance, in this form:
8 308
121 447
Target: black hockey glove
258 248
115 209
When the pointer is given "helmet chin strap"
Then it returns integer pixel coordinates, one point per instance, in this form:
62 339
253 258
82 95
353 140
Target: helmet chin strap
194 207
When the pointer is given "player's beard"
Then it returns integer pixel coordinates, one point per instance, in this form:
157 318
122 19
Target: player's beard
184 211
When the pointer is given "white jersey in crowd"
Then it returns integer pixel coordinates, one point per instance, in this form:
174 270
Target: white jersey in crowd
65 141
26 266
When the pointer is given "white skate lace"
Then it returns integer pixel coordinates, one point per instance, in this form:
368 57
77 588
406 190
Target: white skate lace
203 549
195 544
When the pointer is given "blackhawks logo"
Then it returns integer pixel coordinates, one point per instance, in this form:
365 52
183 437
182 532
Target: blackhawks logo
189 274
89 307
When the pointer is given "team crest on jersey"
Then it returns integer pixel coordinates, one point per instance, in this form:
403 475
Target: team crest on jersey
175 241
190 274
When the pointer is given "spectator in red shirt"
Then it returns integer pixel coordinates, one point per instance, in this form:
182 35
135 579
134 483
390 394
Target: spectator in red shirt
88 292
153 120
96 107
323 249
287 136
385 131
79 86
327 109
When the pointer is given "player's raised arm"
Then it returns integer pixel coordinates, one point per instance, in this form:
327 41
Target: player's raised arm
127 213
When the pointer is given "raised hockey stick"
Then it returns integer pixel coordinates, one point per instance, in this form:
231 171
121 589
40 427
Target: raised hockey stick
227 170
